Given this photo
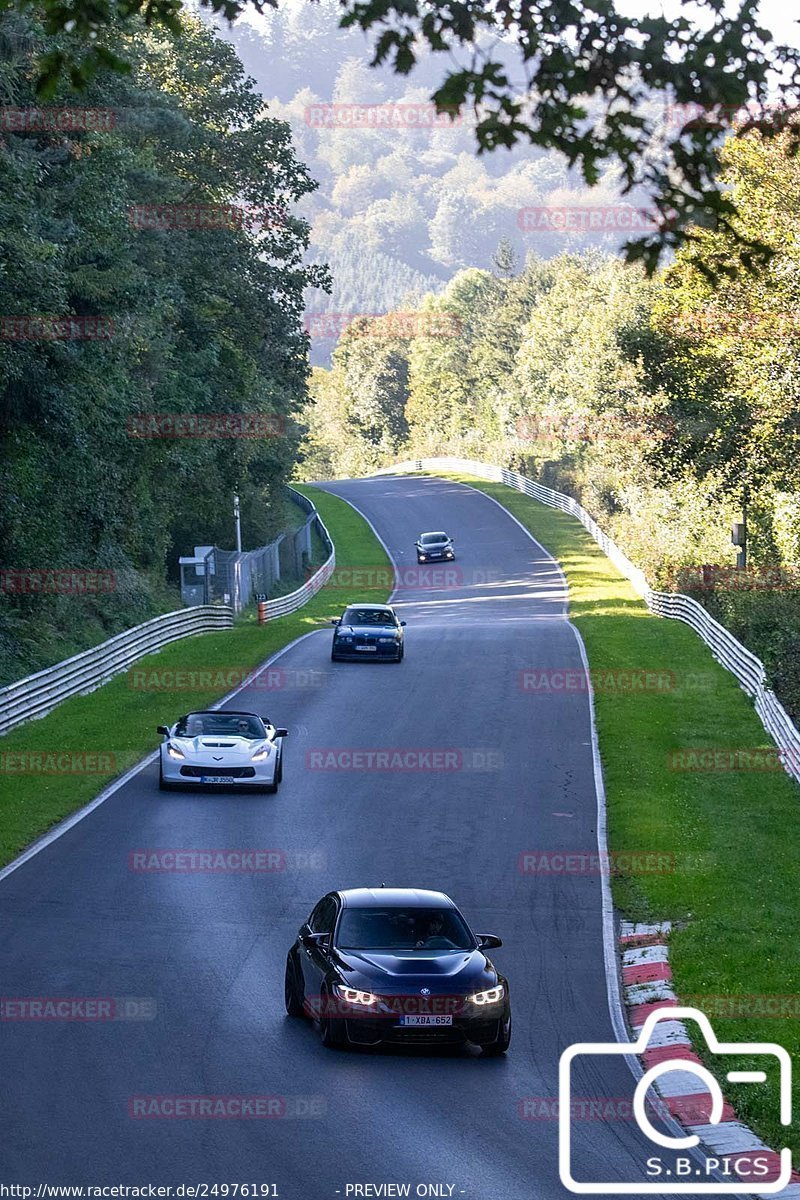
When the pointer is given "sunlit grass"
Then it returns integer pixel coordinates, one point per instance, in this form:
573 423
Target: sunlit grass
118 720
733 834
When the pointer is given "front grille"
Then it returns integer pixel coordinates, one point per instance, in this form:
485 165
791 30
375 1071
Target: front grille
227 772
442 1033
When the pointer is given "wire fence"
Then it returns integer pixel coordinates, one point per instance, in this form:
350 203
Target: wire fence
37 695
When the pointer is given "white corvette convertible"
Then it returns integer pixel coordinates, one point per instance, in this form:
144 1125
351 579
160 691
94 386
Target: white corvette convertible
221 749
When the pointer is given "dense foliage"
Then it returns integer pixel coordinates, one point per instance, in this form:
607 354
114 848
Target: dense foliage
403 201
200 321
533 73
667 405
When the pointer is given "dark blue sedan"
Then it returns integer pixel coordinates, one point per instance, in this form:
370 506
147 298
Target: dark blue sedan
397 965
368 631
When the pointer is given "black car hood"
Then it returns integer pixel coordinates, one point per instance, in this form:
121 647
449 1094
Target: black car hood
464 971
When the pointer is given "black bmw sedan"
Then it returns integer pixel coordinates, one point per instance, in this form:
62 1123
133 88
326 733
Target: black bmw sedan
368 631
397 965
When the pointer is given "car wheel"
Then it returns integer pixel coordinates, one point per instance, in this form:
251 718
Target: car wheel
279 768
334 657
331 1029
400 653
162 782
494 1049
292 995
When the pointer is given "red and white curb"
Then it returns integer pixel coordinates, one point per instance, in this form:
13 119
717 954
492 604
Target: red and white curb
647 986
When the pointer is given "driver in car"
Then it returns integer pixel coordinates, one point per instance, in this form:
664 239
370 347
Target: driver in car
434 937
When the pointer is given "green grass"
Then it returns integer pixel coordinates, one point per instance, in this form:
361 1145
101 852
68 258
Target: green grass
119 719
733 834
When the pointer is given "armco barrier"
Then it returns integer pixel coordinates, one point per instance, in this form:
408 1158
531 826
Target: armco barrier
39 694
727 650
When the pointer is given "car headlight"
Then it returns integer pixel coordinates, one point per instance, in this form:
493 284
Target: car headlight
342 638
261 755
354 996
490 996
385 640
174 752
423 557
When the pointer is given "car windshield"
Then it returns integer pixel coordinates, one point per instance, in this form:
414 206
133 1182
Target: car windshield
429 539
244 725
367 616
403 929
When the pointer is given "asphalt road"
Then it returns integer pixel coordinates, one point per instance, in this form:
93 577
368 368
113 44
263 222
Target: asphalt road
208 949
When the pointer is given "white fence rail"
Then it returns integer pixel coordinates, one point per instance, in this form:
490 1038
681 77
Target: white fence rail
727 650
39 694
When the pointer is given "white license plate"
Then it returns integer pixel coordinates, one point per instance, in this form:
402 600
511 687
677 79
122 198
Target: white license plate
372 648
426 1019
215 779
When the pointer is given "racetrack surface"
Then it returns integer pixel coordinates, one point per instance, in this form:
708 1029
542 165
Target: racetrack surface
208 949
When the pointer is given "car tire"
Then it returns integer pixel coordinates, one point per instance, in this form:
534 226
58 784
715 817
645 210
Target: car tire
293 998
334 657
332 1032
400 653
279 768
495 1049
163 784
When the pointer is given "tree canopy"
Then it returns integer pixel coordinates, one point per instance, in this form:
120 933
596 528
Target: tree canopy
578 76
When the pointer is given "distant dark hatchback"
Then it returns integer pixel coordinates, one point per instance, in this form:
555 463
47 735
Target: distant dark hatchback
435 547
398 966
368 631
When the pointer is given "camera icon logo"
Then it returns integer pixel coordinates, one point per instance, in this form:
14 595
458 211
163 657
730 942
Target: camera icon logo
672 1184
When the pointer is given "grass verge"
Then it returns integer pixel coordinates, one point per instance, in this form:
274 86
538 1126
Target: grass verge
733 889
116 724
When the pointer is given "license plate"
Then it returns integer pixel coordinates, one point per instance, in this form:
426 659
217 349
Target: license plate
214 779
370 648
426 1019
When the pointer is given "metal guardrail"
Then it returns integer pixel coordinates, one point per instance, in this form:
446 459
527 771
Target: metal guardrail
39 694
727 650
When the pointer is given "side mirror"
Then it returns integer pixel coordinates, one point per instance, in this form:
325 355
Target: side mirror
402 622
489 941
281 733
162 729
336 620
323 940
